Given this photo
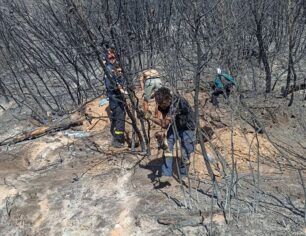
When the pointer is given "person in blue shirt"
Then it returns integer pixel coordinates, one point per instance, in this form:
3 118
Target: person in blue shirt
223 84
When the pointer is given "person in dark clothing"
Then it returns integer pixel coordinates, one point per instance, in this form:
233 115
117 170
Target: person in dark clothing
223 84
178 120
108 52
114 86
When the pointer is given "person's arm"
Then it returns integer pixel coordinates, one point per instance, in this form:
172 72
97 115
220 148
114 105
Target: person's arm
218 82
157 112
229 78
164 123
145 106
141 79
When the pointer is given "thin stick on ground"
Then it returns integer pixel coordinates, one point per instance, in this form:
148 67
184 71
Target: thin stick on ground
304 190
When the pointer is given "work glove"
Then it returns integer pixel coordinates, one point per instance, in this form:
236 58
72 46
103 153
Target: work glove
161 140
122 91
148 115
144 115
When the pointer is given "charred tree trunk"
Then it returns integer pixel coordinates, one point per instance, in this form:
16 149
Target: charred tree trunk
263 54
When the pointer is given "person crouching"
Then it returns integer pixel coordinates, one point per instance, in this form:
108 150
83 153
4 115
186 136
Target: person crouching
178 120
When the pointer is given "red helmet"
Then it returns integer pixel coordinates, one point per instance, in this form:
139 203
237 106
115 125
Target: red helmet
111 56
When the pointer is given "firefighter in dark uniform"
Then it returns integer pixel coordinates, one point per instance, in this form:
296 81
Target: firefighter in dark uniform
114 85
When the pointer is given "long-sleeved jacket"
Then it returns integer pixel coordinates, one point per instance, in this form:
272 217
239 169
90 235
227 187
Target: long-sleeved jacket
223 79
112 83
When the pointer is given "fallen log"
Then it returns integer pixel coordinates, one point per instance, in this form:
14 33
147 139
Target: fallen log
181 221
193 219
33 134
293 88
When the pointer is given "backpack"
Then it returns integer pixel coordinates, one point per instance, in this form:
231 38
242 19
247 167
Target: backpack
224 80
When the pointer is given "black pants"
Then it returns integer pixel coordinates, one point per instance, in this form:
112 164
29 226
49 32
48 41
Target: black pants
117 116
225 92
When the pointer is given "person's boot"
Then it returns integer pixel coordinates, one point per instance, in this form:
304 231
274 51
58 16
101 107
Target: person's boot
184 168
167 165
214 101
117 144
165 178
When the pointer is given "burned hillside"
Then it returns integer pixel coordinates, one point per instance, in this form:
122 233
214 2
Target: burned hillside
97 96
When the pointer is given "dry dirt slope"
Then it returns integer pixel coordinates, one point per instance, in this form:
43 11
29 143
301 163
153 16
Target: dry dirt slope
61 185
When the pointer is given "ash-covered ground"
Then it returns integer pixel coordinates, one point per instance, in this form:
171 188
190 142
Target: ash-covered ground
63 184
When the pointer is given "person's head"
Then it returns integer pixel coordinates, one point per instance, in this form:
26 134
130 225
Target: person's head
163 98
112 48
118 71
219 71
